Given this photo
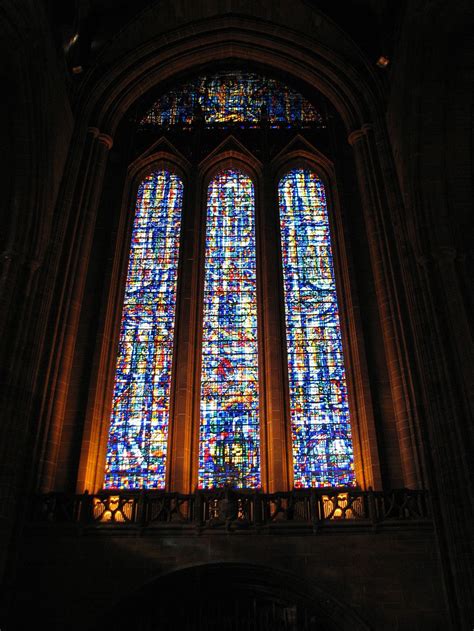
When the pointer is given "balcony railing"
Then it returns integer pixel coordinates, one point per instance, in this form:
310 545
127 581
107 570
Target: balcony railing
308 510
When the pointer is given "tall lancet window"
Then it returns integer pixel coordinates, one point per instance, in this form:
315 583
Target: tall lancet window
226 434
229 428
321 432
136 452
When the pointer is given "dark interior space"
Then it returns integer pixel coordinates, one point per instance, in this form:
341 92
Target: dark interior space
377 117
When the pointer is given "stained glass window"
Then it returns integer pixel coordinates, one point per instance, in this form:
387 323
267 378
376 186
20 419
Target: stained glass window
229 429
232 98
321 432
136 453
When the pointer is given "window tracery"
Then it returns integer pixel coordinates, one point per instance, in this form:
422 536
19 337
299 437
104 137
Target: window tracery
230 97
230 424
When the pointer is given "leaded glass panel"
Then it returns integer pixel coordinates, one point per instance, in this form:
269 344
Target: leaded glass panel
137 447
321 431
228 98
229 429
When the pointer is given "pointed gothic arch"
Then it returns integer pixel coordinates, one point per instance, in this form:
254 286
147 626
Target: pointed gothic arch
130 78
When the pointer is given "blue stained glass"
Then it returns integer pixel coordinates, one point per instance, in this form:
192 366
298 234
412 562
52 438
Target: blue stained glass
232 98
321 431
136 452
229 429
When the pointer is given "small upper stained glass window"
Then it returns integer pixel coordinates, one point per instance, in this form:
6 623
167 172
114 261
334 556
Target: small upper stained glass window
232 98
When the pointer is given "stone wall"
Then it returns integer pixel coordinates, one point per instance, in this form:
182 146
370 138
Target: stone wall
391 579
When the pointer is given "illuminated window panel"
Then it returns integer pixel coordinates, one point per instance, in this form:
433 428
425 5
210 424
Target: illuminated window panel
136 452
321 431
230 98
229 428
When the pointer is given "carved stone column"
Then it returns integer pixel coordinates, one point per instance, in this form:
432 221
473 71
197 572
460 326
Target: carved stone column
75 259
16 382
382 250
449 425
461 333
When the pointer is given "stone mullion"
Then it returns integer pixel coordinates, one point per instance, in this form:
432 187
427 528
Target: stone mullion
181 465
374 207
277 433
85 203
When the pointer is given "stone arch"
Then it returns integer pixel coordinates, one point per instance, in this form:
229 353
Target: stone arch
204 594
112 87
352 88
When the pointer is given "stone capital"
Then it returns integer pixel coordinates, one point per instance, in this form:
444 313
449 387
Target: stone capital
445 254
355 136
106 140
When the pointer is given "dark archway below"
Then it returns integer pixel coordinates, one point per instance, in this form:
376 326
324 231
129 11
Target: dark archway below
231 597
